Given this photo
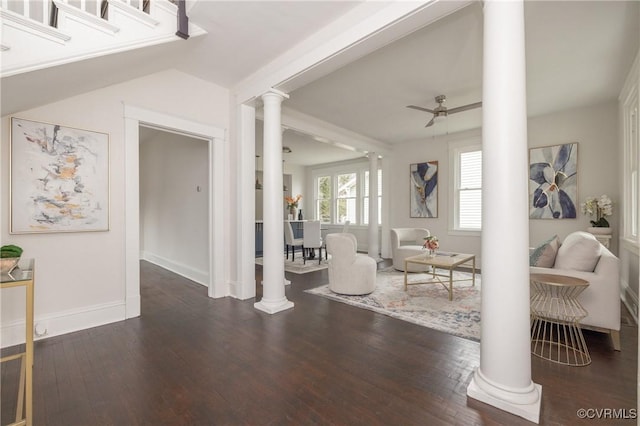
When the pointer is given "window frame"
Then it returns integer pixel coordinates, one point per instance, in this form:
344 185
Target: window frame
333 170
365 196
631 166
456 148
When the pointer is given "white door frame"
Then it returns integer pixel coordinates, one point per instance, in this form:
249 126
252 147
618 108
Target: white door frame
134 117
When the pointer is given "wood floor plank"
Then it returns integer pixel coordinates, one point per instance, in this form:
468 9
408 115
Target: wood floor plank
192 360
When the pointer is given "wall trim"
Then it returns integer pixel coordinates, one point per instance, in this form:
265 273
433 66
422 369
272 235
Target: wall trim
199 276
134 117
630 300
64 322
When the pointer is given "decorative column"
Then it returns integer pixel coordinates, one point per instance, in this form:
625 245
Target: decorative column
374 248
273 294
504 376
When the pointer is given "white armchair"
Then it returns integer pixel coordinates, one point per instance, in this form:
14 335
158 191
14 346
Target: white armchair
407 242
349 272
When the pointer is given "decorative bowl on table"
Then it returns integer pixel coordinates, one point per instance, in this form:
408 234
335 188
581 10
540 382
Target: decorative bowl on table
8 264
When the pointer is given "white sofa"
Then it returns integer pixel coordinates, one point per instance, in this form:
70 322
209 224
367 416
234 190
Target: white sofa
407 242
349 272
581 255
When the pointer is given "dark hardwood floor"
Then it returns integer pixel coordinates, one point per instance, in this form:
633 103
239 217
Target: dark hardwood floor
191 360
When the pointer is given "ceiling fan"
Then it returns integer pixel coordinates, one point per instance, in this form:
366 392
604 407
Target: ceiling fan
442 111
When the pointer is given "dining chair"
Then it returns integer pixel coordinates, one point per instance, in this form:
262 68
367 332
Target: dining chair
290 240
312 238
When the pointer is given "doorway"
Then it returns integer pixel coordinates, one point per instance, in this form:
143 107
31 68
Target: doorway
174 202
134 118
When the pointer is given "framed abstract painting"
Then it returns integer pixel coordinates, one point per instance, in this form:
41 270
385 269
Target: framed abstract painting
553 181
59 178
424 189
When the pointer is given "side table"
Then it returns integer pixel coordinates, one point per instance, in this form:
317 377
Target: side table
23 276
556 314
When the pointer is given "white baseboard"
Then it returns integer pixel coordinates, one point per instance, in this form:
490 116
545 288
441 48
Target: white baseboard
63 322
199 276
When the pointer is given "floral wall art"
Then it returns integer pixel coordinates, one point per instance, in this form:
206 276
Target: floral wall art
424 189
59 178
553 181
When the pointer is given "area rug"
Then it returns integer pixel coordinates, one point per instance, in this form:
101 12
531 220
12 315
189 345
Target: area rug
427 305
298 267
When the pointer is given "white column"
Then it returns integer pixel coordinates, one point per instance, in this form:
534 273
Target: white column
374 247
273 294
504 376
245 136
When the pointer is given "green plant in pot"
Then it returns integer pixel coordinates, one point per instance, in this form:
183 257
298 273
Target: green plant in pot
9 257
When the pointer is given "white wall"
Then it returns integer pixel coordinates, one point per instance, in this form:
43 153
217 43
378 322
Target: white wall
429 149
174 203
80 276
594 128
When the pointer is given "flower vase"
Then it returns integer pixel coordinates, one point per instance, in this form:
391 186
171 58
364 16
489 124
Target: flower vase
292 212
595 230
430 252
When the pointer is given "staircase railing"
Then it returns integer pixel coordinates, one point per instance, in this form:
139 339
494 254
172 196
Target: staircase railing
45 11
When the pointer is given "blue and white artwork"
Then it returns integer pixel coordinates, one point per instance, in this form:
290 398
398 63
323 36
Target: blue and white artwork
553 181
59 178
424 189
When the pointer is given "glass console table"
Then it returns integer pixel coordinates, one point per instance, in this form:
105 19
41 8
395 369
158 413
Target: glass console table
23 276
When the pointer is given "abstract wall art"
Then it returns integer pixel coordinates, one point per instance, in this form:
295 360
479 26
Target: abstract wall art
424 189
59 178
553 181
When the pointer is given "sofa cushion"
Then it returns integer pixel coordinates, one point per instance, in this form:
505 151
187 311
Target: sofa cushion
580 251
545 254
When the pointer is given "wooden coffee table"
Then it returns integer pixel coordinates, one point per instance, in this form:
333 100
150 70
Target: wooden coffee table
448 261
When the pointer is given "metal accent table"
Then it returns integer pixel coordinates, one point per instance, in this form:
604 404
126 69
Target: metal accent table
23 276
556 314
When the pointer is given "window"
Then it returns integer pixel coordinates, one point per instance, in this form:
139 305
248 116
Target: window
346 197
342 193
466 158
365 198
323 198
631 182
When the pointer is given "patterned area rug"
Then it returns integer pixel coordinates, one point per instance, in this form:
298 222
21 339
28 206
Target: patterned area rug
426 304
298 267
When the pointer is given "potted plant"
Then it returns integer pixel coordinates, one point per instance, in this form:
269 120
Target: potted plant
600 208
292 204
431 243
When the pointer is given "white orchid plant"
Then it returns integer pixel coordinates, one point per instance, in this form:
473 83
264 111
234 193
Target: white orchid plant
600 207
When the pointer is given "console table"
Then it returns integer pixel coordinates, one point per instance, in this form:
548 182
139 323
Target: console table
23 276
556 313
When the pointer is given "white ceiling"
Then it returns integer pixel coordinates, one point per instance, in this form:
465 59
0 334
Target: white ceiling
305 149
577 54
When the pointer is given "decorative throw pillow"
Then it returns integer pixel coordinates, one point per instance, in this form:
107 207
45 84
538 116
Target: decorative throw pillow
580 251
545 254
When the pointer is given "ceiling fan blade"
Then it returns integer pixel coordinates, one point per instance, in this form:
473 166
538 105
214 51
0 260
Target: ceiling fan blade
464 108
420 108
430 123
